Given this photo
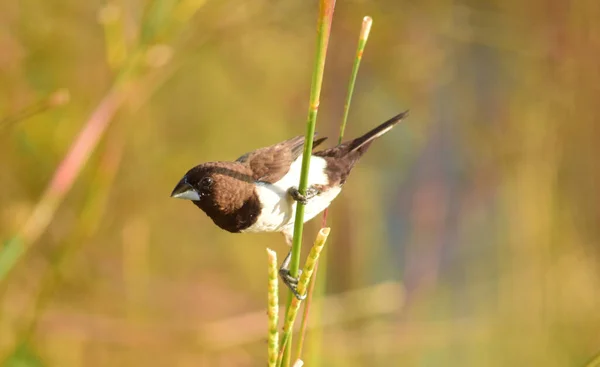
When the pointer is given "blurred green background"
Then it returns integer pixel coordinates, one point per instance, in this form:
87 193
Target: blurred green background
467 236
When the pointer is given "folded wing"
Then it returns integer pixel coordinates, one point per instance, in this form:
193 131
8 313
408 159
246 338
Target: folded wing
271 163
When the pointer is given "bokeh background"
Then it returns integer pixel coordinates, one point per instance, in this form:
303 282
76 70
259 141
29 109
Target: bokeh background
468 236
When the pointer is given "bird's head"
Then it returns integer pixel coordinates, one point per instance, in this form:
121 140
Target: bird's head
222 186
197 184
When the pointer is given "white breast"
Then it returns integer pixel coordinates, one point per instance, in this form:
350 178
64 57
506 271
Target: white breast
279 209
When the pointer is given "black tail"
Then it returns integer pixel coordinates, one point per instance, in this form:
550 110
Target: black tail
362 143
341 158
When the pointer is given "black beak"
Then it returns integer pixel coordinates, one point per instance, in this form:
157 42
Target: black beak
184 190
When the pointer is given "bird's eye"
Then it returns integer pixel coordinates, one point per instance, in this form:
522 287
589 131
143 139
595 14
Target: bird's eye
206 182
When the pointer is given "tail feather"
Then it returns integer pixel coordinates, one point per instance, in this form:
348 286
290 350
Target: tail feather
341 158
363 142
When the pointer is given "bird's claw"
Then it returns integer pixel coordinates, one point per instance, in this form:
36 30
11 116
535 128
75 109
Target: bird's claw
288 278
311 192
291 282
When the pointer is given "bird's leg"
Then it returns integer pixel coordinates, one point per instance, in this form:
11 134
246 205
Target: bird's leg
284 269
311 192
288 279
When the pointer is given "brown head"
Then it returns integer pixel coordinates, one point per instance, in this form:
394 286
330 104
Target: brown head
224 191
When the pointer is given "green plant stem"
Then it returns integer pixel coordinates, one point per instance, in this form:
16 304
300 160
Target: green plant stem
292 310
325 17
362 41
314 283
304 323
326 8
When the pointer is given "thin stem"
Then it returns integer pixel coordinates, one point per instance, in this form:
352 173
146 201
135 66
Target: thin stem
362 41
325 18
326 8
56 99
309 298
292 310
304 324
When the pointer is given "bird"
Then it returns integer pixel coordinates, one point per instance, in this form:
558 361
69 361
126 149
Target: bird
258 192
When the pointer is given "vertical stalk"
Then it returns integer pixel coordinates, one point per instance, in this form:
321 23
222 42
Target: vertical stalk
292 311
324 29
326 8
362 41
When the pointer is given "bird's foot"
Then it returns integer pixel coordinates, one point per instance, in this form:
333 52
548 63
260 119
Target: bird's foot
288 279
291 282
311 192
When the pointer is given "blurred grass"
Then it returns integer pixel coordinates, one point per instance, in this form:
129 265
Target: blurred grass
484 206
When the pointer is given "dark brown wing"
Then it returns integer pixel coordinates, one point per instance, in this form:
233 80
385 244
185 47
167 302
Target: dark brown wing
270 164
